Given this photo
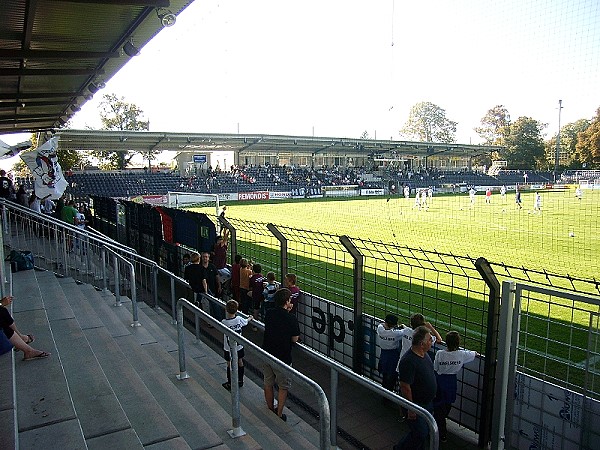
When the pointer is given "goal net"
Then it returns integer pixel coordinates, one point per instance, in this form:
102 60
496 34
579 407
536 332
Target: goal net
194 200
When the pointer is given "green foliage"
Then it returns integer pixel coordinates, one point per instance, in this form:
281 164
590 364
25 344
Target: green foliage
587 149
21 169
568 141
495 126
118 115
525 147
427 122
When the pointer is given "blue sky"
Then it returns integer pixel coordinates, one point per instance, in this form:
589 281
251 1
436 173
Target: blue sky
329 68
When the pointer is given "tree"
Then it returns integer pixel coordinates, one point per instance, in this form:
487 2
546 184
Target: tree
587 148
21 169
495 126
568 141
524 145
118 115
428 123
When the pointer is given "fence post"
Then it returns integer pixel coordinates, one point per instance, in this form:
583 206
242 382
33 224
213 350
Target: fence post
117 282
283 251
358 335
491 351
155 286
232 237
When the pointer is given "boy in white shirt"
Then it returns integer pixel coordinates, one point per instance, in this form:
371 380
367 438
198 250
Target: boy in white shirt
236 323
388 338
447 364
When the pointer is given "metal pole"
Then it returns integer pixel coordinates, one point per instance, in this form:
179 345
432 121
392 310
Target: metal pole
557 155
173 307
155 286
333 406
134 306
180 343
117 282
236 416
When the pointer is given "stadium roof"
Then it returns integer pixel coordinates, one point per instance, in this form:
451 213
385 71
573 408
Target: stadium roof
144 141
55 54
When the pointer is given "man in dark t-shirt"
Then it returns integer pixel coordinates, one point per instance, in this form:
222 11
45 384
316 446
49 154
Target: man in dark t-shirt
211 284
281 332
417 384
6 185
192 273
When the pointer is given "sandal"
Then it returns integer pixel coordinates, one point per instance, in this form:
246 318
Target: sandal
30 339
41 355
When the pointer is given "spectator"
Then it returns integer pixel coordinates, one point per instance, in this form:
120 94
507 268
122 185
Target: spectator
235 278
220 250
245 294
69 213
192 273
290 282
211 284
447 364
269 291
48 206
34 203
236 323
19 340
22 196
416 321
185 260
418 385
6 185
256 287
281 332
389 338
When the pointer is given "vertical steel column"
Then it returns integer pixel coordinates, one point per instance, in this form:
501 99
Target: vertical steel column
155 286
180 341
283 251
173 300
491 351
358 335
334 378
499 438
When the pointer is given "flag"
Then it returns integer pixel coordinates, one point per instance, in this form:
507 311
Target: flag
8 151
46 171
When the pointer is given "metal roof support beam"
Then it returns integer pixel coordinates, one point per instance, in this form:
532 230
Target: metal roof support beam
152 3
48 54
48 72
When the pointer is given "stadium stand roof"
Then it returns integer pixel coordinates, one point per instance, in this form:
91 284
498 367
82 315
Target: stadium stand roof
54 55
144 141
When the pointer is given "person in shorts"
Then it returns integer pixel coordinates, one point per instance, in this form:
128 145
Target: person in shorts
281 332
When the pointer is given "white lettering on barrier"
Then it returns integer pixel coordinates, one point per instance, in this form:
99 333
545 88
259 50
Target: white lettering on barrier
258 195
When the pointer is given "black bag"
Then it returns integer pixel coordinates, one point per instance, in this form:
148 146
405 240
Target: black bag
20 260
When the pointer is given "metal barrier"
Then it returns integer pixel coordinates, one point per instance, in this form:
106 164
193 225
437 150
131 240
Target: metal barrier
49 239
550 363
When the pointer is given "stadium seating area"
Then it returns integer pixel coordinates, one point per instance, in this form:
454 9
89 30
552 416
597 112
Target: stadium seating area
275 178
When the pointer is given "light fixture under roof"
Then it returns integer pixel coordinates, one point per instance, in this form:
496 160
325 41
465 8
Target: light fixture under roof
166 17
130 49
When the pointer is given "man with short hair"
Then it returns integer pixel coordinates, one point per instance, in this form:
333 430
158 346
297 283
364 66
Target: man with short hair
281 332
417 384
211 284
6 185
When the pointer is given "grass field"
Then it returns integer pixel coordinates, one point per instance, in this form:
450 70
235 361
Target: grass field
562 238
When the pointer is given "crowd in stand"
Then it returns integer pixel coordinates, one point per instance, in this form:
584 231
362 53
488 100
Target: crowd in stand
256 296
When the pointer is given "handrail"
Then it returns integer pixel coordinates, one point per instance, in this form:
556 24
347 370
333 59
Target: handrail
324 413
134 307
113 247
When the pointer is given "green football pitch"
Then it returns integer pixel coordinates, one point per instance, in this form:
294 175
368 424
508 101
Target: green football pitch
562 238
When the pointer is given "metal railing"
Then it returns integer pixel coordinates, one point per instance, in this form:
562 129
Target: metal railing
49 239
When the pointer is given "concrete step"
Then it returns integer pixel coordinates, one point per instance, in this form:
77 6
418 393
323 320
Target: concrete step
204 364
45 412
187 422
